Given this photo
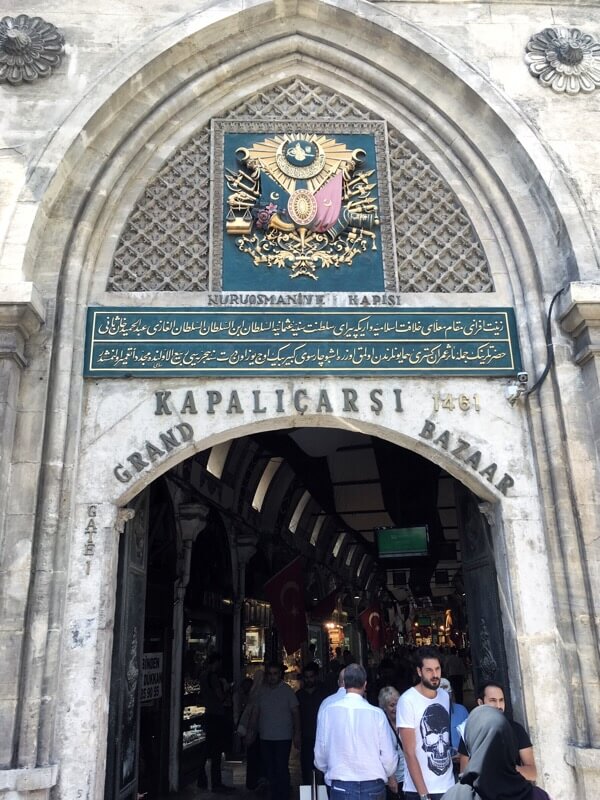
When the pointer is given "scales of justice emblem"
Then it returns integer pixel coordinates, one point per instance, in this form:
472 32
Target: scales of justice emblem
302 203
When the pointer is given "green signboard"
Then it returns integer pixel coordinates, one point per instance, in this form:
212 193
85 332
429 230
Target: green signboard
402 542
152 342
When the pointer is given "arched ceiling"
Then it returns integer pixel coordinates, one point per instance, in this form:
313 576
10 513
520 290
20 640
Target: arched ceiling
322 493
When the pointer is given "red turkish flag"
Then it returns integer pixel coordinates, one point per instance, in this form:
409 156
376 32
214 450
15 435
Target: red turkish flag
285 592
326 606
373 625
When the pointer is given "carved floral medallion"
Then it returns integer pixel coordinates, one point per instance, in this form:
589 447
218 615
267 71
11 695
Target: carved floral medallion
30 48
565 59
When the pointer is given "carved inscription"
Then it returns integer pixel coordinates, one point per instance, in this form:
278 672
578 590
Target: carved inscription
462 450
321 401
460 402
91 529
151 452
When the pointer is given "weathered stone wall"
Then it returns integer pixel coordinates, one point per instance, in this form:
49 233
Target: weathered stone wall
79 147
488 37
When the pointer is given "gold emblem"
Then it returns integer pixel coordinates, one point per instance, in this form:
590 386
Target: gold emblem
302 202
302 207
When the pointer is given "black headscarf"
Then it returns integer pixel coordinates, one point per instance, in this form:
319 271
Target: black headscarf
491 773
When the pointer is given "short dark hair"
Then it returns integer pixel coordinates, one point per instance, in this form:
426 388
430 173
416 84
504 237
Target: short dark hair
426 652
355 676
484 686
312 666
276 665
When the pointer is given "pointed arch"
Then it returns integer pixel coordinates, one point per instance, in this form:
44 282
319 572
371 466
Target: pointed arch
135 118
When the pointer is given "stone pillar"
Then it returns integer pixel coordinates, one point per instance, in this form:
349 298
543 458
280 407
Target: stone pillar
580 318
245 548
21 315
191 519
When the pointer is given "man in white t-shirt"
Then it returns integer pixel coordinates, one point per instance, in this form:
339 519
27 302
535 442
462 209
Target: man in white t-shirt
423 722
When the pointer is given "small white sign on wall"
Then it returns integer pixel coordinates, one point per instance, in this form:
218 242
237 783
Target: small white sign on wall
152 669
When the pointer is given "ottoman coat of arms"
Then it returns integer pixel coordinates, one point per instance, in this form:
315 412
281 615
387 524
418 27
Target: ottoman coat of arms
302 202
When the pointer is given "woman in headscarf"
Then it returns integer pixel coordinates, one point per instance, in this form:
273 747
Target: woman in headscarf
491 773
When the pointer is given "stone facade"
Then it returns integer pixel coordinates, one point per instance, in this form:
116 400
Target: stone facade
79 149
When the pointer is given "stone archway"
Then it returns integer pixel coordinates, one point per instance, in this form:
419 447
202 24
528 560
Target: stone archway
123 436
101 173
276 531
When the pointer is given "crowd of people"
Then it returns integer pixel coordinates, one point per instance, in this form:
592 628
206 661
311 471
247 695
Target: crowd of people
386 738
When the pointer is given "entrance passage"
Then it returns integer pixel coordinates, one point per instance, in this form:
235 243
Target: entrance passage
377 548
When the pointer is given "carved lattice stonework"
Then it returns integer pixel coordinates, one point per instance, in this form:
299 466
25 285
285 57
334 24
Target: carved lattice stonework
165 243
164 246
436 246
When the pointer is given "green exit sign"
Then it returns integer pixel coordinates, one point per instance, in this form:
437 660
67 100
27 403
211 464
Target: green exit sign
402 542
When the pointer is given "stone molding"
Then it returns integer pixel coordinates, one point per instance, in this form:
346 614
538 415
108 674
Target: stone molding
580 317
584 758
586 763
124 515
21 315
28 780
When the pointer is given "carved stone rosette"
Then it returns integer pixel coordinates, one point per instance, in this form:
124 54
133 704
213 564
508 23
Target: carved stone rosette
565 59
30 48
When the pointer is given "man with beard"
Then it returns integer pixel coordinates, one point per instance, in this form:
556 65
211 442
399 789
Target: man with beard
423 721
492 694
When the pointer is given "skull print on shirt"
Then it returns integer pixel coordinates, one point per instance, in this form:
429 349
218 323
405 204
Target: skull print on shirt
435 733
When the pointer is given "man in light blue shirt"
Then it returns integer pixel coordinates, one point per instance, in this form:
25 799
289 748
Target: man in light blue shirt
353 746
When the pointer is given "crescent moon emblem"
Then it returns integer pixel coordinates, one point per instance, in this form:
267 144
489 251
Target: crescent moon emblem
274 196
371 616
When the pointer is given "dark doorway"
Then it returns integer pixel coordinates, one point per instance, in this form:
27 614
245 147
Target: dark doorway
320 494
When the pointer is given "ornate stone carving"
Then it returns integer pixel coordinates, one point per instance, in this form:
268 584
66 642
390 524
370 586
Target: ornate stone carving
30 48
165 243
489 512
487 662
565 59
124 515
164 246
437 247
